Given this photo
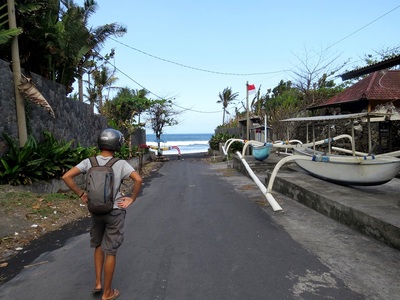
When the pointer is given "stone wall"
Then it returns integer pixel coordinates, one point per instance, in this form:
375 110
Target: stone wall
233 130
73 120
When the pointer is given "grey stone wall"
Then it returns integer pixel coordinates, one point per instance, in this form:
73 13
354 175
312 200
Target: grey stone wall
73 120
8 121
233 130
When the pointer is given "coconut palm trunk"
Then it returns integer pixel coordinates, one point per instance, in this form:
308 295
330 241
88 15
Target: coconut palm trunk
19 100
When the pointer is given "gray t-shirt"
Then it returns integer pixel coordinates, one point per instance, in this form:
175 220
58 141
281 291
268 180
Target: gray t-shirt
122 169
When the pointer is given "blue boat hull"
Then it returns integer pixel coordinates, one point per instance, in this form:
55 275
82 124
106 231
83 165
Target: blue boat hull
262 152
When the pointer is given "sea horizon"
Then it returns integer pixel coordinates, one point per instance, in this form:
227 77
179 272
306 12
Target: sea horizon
185 143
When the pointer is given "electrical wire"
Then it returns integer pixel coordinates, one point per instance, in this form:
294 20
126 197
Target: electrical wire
354 32
150 92
226 73
250 74
195 68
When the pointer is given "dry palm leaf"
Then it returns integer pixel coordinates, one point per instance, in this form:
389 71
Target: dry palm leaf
29 90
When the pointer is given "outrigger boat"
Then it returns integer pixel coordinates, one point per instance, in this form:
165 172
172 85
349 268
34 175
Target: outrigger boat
260 151
356 169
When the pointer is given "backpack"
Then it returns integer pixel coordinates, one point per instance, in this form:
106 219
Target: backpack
100 186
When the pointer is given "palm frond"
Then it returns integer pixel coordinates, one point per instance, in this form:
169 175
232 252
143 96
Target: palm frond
29 90
7 34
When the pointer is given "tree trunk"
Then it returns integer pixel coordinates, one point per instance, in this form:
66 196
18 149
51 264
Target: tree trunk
80 89
19 100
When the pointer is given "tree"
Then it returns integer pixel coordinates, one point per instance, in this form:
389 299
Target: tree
56 42
161 115
50 40
142 103
313 77
103 79
123 109
98 36
383 54
225 98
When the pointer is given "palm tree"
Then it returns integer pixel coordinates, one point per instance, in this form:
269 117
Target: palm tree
225 98
56 41
98 36
103 79
142 103
87 56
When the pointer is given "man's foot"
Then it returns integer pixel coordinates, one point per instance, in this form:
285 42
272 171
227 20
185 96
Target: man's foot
97 290
115 295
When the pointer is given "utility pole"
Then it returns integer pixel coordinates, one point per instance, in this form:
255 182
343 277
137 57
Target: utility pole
16 66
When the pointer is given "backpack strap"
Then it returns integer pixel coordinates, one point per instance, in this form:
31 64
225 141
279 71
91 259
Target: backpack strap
93 161
112 161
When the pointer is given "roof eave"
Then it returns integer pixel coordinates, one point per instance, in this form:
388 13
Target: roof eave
388 63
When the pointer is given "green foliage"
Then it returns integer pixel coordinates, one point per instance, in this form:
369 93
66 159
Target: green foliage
222 137
39 161
125 107
226 97
6 34
123 153
55 40
162 115
141 149
48 159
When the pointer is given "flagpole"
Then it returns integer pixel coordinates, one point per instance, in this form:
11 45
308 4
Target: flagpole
247 112
265 129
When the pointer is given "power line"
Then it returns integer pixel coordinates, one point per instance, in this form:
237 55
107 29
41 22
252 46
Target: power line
249 74
184 108
354 32
198 111
226 73
195 68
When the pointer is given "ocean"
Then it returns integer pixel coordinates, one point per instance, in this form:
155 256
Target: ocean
187 143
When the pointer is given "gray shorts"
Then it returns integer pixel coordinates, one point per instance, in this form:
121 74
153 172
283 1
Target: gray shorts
108 231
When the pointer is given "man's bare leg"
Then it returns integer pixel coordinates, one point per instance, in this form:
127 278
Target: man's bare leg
109 267
98 266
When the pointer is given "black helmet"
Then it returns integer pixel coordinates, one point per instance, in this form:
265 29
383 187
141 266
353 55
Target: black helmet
110 139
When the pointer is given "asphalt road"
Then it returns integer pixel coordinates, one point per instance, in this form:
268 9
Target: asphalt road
198 232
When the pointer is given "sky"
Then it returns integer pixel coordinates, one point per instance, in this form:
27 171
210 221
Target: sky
190 51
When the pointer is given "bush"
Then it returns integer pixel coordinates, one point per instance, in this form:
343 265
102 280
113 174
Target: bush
46 160
222 137
39 161
123 153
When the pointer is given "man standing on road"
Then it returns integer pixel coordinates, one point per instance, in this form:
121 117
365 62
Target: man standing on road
107 229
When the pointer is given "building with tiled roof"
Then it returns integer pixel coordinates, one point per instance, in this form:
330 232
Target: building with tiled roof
378 88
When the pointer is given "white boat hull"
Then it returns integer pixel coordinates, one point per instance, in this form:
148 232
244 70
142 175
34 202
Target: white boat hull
350 170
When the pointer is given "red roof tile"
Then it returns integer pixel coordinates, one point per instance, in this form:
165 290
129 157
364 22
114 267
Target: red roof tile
381 85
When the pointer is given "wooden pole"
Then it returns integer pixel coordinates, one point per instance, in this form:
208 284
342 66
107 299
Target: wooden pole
16 66
247 112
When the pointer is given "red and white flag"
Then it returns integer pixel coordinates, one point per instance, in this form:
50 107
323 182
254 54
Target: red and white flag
251 89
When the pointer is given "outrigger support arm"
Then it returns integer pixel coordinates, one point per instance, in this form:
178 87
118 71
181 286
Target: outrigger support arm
275 206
